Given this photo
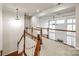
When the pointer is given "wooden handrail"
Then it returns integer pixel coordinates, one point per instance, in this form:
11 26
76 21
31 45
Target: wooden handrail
56 29
47 29
38 44
36 29
33 28
31 35
60 30
28 27
21 38
24 43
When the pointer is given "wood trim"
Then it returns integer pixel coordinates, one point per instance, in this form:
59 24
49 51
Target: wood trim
15 53
62 30
24 53
20 54
54 29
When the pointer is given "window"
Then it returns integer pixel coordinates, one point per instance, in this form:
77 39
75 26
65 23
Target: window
74 21
73 41
52 22
69 27
64 22
71 36
52 26
74 27
69 20
52 32
60 21
69 39
71 33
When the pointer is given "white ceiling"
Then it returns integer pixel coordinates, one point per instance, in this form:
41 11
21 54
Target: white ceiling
29 8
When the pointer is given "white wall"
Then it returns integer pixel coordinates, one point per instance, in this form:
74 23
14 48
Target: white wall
77 26
1 28
34 22
27 21
43 22
12 30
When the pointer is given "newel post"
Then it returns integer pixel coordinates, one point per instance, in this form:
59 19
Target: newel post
24 41
47 32
32 32
17 47
38 46
41 36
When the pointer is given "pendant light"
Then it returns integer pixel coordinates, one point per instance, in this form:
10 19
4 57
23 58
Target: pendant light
17 16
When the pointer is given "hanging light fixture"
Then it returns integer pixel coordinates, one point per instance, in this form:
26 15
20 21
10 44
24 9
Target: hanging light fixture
17 16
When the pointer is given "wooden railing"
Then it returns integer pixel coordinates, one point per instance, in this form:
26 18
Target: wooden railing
56 30
1 53
32 30
47 29
31 35
38 46
37 39
23 36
